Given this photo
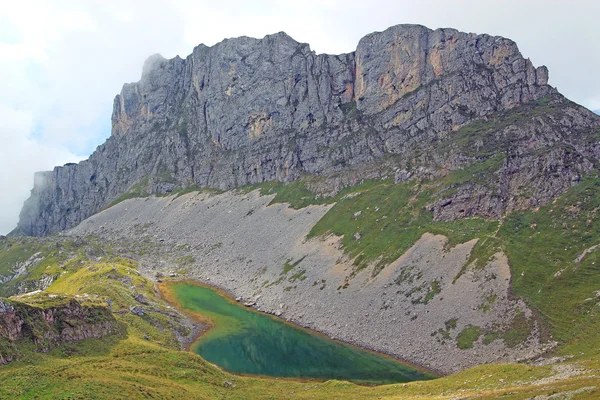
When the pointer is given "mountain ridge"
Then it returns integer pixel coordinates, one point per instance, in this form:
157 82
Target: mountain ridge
249 110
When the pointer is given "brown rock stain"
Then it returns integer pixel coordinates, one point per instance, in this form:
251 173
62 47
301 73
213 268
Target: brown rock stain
403 72
359 88
435 59
258 124
500 53
348 94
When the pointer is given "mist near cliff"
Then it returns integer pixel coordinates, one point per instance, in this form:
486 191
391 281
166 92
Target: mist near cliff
62 65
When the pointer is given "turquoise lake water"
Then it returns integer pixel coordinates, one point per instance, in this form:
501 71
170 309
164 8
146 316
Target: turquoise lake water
244 341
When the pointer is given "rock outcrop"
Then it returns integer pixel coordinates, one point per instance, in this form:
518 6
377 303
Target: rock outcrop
251 110
50 326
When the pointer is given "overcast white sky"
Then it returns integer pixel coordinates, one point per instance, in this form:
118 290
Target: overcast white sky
62 62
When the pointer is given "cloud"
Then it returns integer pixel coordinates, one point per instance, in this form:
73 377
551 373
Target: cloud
62 65
25 157
60 72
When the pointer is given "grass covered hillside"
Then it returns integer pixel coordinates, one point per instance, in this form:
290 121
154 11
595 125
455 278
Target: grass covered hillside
145 360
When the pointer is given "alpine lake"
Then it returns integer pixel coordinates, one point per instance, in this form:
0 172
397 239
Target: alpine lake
244 341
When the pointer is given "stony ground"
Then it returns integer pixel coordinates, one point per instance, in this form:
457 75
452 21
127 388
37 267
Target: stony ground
414 309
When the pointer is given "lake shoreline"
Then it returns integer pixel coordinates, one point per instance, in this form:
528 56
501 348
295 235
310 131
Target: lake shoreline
206 324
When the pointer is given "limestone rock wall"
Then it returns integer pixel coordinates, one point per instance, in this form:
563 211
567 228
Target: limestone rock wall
251 110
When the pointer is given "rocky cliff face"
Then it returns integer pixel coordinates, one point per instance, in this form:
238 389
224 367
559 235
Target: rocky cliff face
252 110
50 326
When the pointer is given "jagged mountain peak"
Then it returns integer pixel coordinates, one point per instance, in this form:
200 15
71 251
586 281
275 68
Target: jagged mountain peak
252 110
152 62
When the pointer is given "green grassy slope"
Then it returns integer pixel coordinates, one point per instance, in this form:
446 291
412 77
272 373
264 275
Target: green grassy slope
556 265
145 362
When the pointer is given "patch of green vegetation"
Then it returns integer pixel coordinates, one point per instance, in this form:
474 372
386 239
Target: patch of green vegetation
214 247
349 109
184 261
407 275
297 276
277 282
288 266
443 334
451 323
392 218
490 336
519 330
514 334
434 289
40 260
485 137
194 188
544 249
165 176
468 336
295 193
488 302
140 189
14 251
